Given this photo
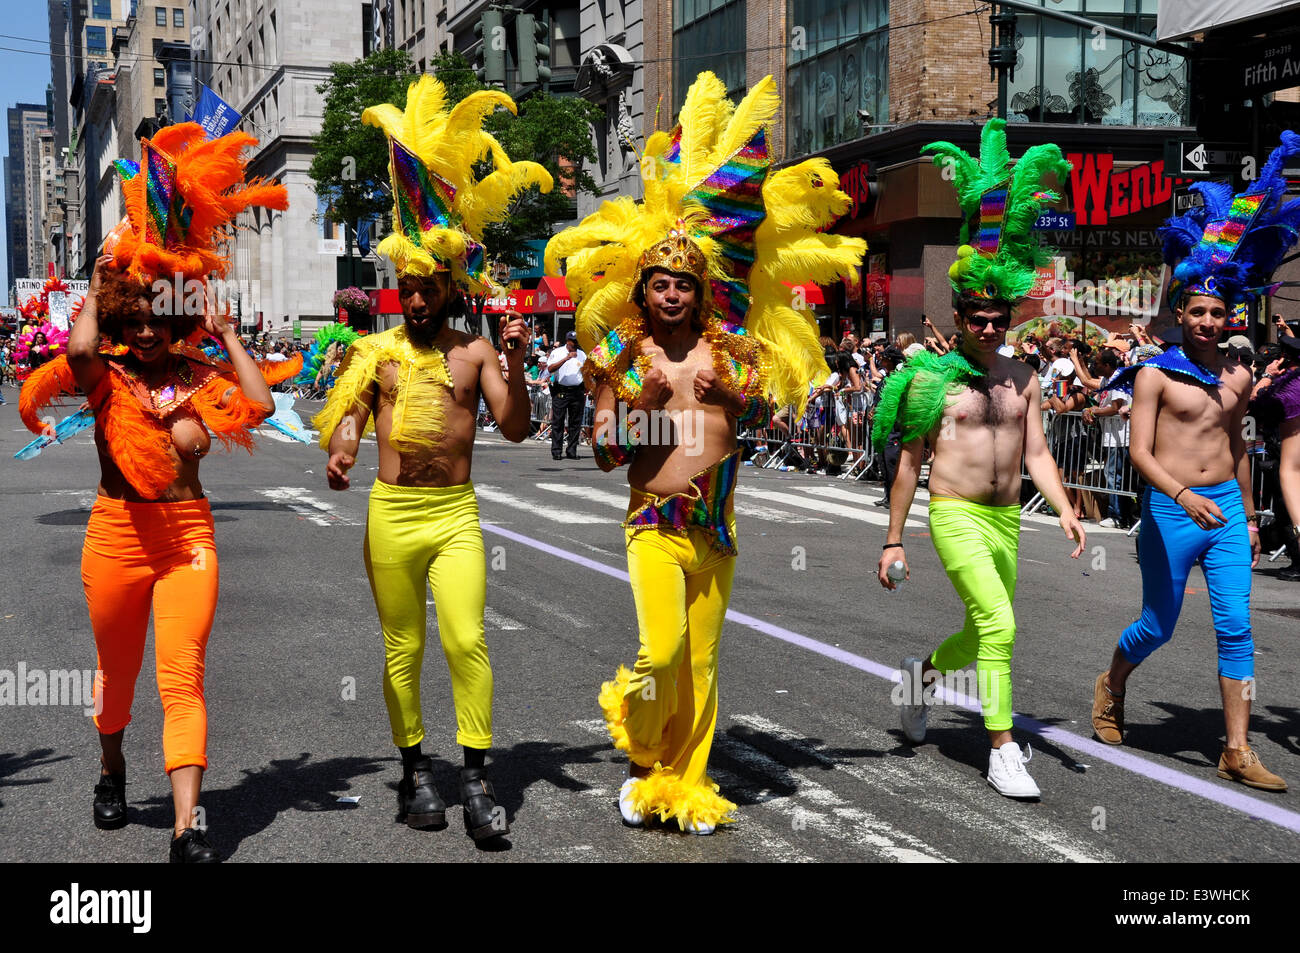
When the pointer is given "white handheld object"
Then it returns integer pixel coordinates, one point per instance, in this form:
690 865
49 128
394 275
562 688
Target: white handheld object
897 572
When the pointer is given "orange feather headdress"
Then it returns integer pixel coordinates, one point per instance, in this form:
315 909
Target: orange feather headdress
182 198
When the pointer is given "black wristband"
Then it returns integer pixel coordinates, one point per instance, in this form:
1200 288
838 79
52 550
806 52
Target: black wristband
891 546
1179 493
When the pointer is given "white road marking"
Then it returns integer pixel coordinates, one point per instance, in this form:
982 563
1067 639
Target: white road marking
495 494
861 499
302 502
619 500
877 518
953 796
864 829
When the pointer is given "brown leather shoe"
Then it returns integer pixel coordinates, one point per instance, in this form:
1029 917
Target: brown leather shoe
1107 713
1242 764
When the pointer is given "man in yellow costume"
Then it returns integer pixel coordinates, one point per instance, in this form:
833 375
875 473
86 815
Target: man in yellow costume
691 333
421 383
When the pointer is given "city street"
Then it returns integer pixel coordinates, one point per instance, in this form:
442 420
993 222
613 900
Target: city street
808 743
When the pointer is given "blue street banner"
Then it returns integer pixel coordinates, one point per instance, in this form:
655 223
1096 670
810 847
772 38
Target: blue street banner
214 114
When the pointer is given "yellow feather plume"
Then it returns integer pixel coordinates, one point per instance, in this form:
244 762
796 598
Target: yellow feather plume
450 143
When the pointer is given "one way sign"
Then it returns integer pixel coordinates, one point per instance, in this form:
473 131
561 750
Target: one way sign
1198 159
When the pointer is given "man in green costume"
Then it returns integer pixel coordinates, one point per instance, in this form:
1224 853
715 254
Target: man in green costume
978 410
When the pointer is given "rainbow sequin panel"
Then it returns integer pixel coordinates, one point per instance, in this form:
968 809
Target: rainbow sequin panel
421 198
1224 235
160 190
704 506
733 193
993 206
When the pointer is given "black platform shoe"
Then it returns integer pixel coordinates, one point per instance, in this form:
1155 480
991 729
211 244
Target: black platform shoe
110 802
483 818
418 802
192 847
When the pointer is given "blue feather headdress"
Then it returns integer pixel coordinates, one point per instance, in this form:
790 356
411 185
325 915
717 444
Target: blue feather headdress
1229 247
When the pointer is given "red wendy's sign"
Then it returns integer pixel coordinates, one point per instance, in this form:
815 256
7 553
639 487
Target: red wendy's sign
1098 193
856 183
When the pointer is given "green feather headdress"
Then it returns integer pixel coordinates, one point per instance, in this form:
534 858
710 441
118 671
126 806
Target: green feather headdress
1000 252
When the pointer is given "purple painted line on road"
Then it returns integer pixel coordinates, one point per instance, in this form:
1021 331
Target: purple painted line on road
1232 798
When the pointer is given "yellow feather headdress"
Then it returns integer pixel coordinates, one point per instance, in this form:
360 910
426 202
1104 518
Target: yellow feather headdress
710 180
440 208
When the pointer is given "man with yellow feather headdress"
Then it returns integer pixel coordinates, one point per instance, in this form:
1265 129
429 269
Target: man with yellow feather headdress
691 334
421 383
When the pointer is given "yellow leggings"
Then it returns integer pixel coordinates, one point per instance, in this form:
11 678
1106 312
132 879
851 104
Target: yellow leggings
663 712
419 533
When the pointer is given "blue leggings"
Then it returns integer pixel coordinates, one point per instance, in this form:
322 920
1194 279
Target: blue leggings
1170 543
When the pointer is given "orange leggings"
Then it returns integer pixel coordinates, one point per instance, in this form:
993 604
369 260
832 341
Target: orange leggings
159 555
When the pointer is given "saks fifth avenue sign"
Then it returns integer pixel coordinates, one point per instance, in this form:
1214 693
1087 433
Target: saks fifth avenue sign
1099 192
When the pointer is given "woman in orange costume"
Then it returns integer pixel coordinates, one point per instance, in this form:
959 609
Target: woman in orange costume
149 542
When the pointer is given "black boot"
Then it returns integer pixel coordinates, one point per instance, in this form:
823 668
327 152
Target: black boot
483 818
192 847
110 802
418 802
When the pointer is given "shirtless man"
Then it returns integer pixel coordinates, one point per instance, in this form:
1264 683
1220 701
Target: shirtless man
679 434
1186 441
986 427
421 382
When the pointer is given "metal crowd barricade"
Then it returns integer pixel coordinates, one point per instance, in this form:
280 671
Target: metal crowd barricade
1077 447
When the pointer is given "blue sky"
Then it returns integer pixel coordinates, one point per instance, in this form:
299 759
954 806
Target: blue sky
23 75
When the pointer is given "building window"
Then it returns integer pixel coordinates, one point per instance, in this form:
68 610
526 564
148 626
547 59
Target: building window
102 9
708 34
160 16
838 76
160 77
96 39
160 107
178 17
1062 77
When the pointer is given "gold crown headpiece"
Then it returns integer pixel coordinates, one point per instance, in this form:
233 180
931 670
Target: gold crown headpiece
675 252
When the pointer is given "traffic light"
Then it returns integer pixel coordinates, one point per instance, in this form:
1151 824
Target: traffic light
491 31
531 35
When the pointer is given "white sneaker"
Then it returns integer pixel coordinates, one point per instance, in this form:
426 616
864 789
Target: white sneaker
1007 771
631 816
1108 523
914 717
699 827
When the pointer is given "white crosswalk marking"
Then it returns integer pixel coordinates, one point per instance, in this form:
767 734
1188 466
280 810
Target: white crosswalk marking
859 499
302 502
864 514
494 494
952 797
620 500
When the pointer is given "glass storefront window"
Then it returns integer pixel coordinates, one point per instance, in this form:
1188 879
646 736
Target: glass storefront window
1063 76
841 68
708 35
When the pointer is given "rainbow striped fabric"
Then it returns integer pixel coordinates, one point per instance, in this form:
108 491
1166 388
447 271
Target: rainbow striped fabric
160 192
423 198
706 505
993 207
733 194
1224 235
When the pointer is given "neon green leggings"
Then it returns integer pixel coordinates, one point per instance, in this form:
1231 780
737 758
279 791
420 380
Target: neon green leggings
977 545
419 533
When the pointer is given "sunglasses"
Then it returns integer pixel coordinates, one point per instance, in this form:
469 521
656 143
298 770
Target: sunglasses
976 323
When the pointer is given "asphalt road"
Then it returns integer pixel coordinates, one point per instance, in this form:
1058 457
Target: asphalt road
808 742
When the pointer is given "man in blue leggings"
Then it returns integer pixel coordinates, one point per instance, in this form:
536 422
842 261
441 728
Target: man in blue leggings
1186 440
